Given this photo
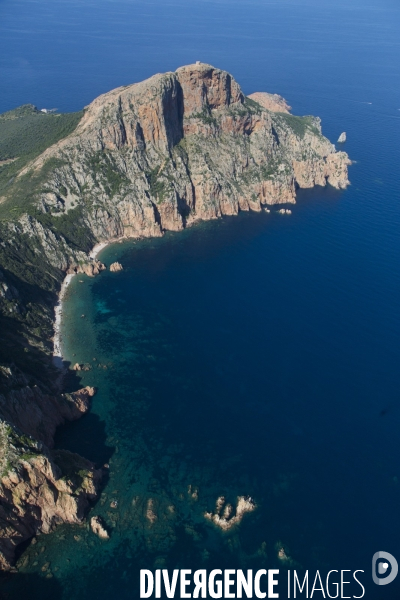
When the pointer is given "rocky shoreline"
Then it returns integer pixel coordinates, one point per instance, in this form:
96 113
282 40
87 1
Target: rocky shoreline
145 158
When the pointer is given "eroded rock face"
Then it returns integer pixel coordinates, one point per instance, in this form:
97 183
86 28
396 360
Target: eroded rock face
38 414
272 102
90 268
39 489
183 146
204 87
333 170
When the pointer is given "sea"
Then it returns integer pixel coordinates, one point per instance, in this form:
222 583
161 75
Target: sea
255 355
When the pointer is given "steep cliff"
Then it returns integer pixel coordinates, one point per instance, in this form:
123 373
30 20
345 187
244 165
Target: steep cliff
39 488
165 152
144 158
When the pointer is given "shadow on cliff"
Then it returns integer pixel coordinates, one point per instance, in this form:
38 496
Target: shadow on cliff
317 193
87 436
29 586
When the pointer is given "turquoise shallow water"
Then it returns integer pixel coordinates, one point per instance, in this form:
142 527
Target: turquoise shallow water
253 355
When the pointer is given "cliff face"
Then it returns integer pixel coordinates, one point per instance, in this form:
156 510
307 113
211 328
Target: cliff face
144 158
39 488
180 147
37 413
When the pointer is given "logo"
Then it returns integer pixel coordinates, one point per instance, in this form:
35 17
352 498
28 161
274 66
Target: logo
384 564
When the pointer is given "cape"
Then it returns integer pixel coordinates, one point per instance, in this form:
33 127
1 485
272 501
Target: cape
139 160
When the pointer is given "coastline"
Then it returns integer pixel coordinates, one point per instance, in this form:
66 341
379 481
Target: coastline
57 339
97 248
58 359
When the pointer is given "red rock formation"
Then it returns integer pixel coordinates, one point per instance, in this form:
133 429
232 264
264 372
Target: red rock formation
272 102
39 488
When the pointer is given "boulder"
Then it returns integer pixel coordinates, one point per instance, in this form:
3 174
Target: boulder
96 523
116 266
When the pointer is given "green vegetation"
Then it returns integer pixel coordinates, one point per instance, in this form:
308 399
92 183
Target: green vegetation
27 455
15 446
24 134
70 225
26 319
160 178
158 187
299 125
206 116
23 258
73 467
17 194
253 106
27 131
103 168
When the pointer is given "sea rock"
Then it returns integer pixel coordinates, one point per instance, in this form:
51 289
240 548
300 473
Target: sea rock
227 519
116 266
150 512
284 211
342 138
282 555
90 268
98 528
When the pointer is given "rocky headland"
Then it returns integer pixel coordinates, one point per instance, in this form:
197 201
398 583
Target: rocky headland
140 160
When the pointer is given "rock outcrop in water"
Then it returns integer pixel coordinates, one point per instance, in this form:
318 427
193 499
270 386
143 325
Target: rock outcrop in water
98 528
225 516
144 158
115 267
91 268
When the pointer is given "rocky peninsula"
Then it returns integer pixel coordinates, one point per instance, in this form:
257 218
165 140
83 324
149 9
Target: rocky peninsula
140 160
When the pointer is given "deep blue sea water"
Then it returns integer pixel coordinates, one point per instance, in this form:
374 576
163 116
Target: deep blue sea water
256 354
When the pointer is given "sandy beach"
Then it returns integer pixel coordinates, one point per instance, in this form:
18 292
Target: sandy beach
98 248
57 353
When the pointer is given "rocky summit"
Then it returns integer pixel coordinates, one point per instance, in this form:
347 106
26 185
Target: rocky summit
153 156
